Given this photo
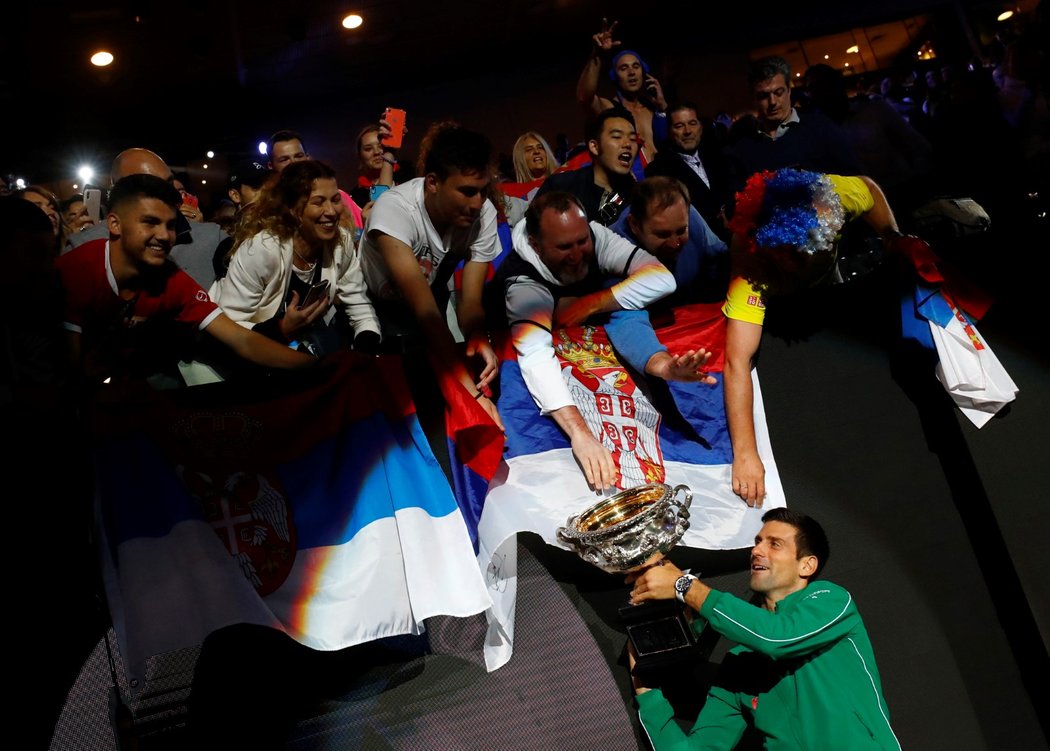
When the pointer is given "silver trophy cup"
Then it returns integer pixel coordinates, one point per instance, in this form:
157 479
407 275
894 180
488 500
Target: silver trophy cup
631 528
628 531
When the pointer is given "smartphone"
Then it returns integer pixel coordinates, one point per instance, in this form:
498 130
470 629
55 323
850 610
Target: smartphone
316 292
374 191
396 118
188 199
93 202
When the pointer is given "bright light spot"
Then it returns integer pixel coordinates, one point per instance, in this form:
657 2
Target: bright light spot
86 174
102 58
352 21
854 50
1005 15
20 184
210 154
798 75
75 186
204 182
262 147
827 57
205 166
847 65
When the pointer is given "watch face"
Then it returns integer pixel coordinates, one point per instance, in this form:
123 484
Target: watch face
682 585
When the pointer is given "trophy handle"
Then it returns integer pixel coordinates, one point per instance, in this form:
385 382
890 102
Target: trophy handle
683 505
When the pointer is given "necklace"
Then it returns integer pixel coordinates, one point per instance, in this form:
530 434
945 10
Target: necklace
309 264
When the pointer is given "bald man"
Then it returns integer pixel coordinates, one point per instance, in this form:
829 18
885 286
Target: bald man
195 241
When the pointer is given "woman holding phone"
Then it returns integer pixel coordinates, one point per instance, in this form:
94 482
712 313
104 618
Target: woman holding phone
291 259
376 165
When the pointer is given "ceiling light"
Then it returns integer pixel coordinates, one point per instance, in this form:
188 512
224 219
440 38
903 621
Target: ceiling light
352 21
210 155
1005 15
262 147
854 50
102 58
86 174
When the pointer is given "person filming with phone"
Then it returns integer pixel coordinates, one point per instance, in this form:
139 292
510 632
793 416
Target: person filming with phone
291 260
637 90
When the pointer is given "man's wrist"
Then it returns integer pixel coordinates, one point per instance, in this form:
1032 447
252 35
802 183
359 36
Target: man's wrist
682 586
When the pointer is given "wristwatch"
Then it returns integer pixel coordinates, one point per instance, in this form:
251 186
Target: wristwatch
681 586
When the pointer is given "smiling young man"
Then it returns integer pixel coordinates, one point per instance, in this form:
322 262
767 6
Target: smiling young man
605 185
416 235
130 311
803 673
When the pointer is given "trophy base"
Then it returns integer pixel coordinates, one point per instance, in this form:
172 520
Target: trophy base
662 638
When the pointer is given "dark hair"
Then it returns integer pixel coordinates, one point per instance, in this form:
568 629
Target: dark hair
656 193
810 538
596 124
134 187
557 200
679 106
768 68
453 147
283 135
75 198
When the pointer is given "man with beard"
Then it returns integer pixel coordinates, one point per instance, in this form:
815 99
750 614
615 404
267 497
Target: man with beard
556 278
803 673
129 307
605 185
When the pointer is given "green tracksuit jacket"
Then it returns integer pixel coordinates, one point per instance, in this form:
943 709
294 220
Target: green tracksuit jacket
804 676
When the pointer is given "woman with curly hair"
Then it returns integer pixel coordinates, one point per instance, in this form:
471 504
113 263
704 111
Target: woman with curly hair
291 241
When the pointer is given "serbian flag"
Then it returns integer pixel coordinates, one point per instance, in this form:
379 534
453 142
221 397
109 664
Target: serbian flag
674 433
318 510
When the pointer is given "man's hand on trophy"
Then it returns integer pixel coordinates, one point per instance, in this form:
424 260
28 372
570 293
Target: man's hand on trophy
595 461
655 582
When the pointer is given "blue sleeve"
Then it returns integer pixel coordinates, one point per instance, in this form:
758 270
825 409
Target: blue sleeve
633 337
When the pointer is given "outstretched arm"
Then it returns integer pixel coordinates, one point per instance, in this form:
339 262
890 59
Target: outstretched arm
742 340
880 216
255 347
594 459
441 349
602 44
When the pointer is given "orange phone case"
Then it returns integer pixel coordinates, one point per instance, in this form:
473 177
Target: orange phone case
396 118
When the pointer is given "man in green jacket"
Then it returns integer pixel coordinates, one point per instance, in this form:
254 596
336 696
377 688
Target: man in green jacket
803 672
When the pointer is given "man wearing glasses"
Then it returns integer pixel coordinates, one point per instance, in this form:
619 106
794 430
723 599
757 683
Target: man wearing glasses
781 136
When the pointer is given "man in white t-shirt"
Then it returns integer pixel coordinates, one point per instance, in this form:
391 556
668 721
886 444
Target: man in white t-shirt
417 234
557 277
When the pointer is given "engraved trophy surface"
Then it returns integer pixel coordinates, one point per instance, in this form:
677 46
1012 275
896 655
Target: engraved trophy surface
627 531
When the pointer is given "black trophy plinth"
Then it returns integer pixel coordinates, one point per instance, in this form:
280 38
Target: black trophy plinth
662 638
